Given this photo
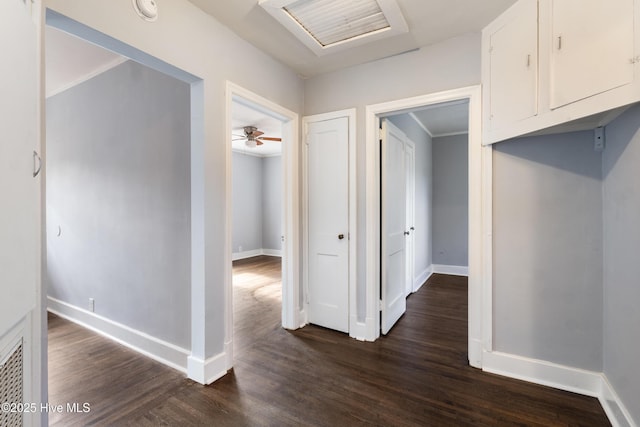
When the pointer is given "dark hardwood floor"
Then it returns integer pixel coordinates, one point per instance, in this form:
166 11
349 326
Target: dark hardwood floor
416 376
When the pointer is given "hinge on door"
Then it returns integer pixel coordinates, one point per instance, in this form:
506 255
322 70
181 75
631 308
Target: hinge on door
380 305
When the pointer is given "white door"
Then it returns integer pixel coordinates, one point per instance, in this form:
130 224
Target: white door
410 152
328 221
19 190
393 264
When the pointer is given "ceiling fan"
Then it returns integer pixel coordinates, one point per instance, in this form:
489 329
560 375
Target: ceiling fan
253 137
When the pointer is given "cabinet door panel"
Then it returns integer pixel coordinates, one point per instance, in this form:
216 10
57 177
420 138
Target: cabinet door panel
513 67
592 48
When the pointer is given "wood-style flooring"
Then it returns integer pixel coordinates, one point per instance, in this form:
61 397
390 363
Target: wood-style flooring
416 376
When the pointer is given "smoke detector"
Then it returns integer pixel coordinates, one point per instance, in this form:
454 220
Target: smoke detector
146 9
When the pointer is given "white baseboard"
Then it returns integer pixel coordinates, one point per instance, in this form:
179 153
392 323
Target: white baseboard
475 353
255 252
543 372
422 278
617 413
456 270
155 348
371 334
272 252
357 330
589 383
207 371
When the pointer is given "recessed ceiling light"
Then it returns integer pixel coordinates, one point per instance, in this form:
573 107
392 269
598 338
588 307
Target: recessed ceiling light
327 26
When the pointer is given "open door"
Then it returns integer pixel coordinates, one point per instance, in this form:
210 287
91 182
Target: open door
393 230
410 241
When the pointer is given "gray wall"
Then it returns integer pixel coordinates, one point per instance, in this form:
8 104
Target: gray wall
257 200
118 188
621 173
197 43
411 74
423 189
247 202
272 202
451 200
547 234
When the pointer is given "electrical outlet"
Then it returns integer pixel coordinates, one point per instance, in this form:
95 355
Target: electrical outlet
239 248
92 305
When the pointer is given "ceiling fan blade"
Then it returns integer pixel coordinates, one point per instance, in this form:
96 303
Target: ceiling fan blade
257 133
238 139
258 142
271 138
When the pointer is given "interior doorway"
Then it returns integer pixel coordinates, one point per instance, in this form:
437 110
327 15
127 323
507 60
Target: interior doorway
257 219
479 200
241 99
424 163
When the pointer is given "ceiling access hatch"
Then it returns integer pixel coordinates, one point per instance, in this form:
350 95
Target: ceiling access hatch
327 26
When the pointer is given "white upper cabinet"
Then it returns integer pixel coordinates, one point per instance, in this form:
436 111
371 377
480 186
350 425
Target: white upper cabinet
592 48
559 65
513 65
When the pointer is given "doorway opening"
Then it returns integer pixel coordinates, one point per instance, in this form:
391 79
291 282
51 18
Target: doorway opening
246 113
257 223
152 206
424 200
479 216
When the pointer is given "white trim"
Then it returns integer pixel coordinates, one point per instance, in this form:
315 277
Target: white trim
254 154
256 252
422 125
542 372
350 114
479 261
141 342
290 199
390 9
422 278
617 413
442 135
357 330
562 377
455 270
207 371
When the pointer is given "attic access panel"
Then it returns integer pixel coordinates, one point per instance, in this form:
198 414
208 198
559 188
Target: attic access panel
327 26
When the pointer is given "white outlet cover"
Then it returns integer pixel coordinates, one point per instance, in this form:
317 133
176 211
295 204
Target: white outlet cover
147 9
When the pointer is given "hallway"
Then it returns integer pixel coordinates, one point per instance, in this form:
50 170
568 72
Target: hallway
417 375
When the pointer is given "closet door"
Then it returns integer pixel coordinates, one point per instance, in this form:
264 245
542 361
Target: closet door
592 48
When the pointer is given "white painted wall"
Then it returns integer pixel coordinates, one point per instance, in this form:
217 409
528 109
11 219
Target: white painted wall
193 41
272 203
621 175
416 73
547 234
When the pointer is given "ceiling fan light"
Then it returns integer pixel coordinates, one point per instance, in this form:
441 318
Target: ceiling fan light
251 143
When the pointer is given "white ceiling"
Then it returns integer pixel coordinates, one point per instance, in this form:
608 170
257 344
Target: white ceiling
70 60
429 21
445 119
241 116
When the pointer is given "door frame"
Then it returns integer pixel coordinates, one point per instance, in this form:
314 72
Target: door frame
350 114
290 213
480 216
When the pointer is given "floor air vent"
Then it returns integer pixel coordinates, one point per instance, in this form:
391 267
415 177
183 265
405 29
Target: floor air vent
11 385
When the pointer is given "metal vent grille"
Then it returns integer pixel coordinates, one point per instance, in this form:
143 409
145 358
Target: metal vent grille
11 386
333 21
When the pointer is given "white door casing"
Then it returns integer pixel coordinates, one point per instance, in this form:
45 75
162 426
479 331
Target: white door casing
328 223
410 154
394 229
480 339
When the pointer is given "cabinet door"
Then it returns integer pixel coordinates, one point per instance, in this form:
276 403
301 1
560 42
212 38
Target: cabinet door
513 69
592 48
